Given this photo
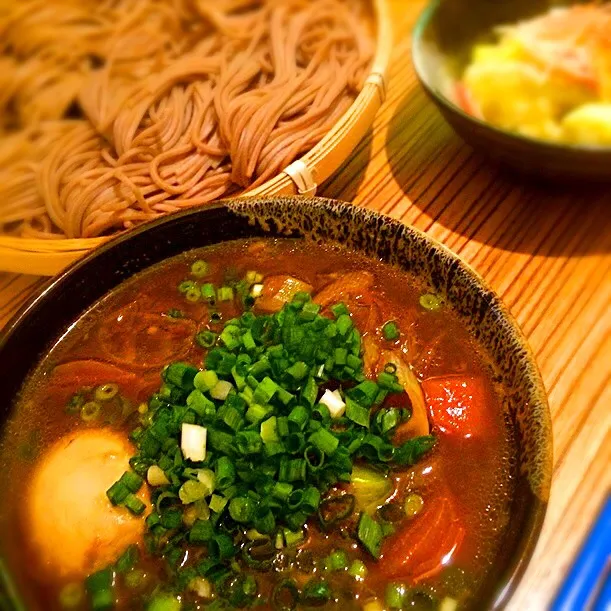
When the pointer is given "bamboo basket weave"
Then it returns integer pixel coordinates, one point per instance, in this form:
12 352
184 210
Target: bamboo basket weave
48 257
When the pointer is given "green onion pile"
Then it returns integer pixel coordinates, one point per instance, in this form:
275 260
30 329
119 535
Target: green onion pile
249 446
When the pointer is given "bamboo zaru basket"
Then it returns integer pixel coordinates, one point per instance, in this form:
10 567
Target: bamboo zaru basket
303 177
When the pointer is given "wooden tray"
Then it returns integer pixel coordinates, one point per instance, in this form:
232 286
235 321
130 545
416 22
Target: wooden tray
48 257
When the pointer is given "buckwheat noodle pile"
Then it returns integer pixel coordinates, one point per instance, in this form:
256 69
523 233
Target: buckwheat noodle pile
113 112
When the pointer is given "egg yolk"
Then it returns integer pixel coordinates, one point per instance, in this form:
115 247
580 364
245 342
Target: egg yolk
70 522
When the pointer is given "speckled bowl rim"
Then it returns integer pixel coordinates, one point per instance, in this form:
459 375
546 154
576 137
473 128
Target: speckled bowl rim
295 216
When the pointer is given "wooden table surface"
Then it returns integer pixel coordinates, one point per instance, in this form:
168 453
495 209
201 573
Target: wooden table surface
545 250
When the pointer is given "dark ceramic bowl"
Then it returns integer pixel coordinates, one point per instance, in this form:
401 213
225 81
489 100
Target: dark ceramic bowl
441 49
65 298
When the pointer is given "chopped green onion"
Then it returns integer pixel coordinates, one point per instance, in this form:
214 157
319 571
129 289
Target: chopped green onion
358 570
225 293
413 505
225 472
343 324
335 509
248 442
357 413
334 403
325 441
221 547
314 457
231 416
242 509
365 393
164 602
298 370
134 504
201 532
205 380
265 523
193 442
192 295
272 437
282 491
192 491
90 411
413 450
395 595
265 390
106 392
339 309
206 339
269 432
256 290
299 417
202 406
256 413
311 499
253 276
248 341
370 534
295 499
117 493
295 443
186 286
293 470
128 560
390 368
217 503
431 302
316 592
390 331
231 337
293 538
155 476
337 560
371 487
132 481
208 292
100 588
200 268
180 375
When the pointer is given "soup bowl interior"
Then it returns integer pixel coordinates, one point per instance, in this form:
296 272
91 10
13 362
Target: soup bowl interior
47 318
442 43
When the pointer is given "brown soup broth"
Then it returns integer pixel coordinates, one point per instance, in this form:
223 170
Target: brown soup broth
130 329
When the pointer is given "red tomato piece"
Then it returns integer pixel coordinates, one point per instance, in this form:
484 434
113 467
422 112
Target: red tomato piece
425 545
456 404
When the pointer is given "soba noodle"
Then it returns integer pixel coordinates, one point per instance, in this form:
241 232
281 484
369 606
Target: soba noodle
113 112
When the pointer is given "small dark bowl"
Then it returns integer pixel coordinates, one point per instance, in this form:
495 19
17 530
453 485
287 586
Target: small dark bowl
441 49
46 318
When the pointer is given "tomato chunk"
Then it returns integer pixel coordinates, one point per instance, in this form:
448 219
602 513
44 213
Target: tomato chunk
456 404
425 545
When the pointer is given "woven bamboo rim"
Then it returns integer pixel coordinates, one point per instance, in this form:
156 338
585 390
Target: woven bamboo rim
48 257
